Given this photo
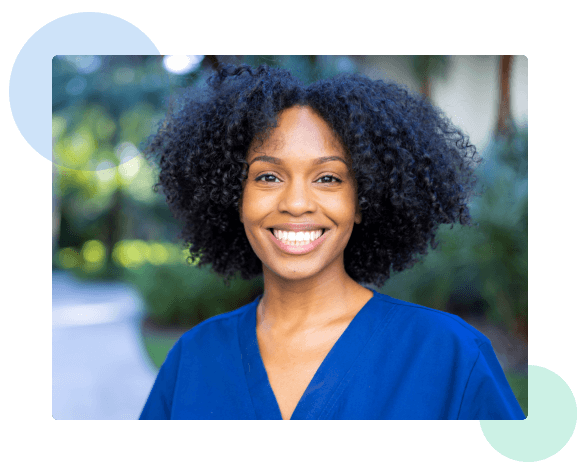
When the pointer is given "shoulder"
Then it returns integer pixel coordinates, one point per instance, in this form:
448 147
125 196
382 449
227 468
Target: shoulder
217 330
421 324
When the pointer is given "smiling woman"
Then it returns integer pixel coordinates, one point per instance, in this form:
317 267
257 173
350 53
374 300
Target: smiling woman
321 189
411 168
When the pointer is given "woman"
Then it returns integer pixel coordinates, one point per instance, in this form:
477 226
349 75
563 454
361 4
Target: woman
321 189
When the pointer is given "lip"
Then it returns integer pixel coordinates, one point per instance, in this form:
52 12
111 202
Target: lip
301 249
299 227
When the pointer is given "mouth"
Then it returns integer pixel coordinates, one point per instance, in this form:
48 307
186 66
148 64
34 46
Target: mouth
297 239
299 248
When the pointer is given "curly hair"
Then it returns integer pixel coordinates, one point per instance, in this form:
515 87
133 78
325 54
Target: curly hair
413 168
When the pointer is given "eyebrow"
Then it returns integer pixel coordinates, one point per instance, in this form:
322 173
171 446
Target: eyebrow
279 161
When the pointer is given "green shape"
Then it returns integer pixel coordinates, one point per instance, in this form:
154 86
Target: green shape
549 426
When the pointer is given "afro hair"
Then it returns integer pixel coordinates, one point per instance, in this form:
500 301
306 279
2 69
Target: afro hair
413 168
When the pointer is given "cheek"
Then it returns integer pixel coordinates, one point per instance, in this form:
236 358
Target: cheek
245 207
343 208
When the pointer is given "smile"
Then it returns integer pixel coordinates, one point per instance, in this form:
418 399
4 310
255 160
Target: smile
298 243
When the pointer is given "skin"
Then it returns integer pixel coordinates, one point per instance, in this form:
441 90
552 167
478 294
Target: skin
309 299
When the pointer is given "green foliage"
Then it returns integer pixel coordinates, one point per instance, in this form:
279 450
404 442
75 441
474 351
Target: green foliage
184 295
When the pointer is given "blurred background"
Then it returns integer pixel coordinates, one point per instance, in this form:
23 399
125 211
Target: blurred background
122 290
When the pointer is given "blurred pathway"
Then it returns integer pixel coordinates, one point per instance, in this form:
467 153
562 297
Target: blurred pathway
100 370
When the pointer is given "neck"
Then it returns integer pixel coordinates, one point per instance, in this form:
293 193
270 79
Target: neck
277 315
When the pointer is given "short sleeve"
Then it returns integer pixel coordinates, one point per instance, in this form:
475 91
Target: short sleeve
488 395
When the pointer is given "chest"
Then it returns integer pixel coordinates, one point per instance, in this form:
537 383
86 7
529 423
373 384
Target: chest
292 362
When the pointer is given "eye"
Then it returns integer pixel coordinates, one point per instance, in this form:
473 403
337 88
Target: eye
268 178
328 179
325 176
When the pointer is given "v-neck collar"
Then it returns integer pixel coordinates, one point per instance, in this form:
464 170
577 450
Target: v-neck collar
329 380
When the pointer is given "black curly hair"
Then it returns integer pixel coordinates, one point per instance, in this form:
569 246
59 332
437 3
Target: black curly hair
414 169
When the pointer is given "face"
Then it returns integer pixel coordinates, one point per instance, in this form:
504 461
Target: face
299 202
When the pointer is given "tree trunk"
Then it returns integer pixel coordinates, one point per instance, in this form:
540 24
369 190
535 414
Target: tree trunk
504 126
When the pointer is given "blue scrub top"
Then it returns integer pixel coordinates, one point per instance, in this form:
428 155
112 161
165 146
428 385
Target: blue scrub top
395 360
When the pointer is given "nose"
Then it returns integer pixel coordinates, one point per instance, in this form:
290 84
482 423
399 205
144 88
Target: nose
298 198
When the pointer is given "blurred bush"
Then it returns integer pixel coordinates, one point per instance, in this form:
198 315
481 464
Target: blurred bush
183 295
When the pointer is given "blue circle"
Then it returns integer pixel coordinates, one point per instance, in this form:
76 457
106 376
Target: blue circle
31 78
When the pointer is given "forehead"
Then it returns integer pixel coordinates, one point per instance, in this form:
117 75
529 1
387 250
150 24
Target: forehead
300 132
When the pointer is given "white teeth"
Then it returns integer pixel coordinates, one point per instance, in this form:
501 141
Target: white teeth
297 238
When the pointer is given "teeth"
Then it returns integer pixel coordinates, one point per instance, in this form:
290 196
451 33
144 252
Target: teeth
297 238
